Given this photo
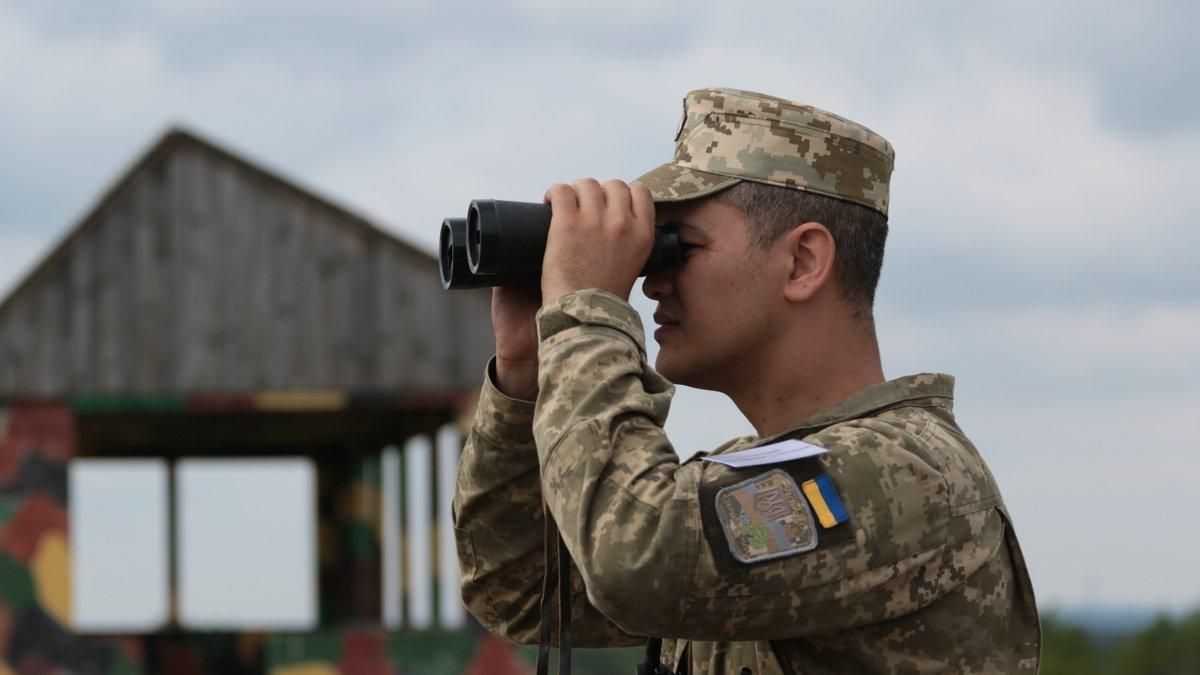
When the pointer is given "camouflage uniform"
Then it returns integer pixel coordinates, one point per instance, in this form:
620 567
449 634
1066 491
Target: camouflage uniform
924 576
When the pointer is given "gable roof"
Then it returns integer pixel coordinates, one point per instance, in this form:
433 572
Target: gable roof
171 141
199 272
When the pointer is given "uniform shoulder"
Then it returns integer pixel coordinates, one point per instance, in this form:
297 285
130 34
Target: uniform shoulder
901 433
923 439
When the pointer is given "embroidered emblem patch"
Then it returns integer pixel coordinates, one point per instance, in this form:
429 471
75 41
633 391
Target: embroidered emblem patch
766 517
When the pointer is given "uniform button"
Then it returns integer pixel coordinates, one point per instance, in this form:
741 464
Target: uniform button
745 671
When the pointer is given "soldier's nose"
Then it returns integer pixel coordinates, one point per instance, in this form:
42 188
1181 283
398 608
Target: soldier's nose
659 284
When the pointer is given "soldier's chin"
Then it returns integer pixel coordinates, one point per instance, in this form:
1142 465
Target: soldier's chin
670 367
686 372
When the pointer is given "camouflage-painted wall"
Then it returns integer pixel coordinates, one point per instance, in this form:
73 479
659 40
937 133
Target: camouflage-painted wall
36 442
349 565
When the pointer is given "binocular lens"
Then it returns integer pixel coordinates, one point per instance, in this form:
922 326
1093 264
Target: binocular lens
474 238
454 266
446 264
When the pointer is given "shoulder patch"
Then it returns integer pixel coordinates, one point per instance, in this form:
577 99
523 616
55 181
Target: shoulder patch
825 501
766 517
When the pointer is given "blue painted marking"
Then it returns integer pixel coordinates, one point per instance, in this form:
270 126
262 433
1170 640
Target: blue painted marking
830 495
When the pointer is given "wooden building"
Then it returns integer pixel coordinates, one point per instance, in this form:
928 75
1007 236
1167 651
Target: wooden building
207 307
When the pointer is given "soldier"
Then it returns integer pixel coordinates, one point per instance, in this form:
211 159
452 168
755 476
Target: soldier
877 539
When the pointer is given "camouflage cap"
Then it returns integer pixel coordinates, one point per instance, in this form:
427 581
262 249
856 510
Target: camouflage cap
729 135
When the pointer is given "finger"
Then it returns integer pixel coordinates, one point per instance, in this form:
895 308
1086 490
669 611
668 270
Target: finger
618 200
591 199
562 200
642 204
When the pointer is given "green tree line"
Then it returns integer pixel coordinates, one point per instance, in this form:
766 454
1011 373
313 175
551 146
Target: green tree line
1166 647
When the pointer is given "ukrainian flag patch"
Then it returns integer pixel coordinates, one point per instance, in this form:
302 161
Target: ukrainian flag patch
825 501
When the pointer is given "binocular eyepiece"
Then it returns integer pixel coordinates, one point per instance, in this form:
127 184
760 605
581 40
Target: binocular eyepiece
502 243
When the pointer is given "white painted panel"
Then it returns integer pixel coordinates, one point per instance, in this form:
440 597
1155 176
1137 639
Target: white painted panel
449 443
392 601
418 453
118 516
247 543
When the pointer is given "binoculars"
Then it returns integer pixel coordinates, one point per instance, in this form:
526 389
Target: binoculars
502 244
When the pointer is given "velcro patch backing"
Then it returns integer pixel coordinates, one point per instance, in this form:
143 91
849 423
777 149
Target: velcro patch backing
766 517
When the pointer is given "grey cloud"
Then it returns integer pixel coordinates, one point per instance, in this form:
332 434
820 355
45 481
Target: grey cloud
927 276
367 37
436 94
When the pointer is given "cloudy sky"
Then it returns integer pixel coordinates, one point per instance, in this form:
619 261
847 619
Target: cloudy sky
1043 228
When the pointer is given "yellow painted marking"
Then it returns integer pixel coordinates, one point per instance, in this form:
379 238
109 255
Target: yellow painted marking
813 492
51 567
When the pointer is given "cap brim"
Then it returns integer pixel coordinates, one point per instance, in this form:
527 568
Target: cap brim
674 183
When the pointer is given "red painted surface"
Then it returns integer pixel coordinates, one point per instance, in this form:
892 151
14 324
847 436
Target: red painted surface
6 624
363 654
219 403
178 659
46 428
496 657
39 514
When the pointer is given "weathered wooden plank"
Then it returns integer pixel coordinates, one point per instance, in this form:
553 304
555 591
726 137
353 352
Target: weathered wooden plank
145 279
227 276
81 264
185 323
334 291
107 304
19 333
40 308
204 339
389 368
365 332
201 275
258 208
127 348
308 330
400 342
286 245
176 256
161 283
53 332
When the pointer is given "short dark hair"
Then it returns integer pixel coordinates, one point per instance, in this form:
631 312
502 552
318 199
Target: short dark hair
859 232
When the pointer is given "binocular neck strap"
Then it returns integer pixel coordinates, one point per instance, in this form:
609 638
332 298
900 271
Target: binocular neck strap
653 664
557 563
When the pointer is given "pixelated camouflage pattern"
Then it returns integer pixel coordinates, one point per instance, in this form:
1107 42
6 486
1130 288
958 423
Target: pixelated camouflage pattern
498 503
930 580
729 135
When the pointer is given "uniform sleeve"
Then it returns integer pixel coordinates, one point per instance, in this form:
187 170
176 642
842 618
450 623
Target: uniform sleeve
641 527
498 528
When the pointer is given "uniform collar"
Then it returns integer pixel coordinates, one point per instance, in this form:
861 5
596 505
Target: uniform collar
878 397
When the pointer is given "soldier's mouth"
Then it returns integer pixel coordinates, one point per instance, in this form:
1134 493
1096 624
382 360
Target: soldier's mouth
663 330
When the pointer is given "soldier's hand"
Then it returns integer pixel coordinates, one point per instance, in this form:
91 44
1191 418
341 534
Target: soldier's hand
514 309
600 237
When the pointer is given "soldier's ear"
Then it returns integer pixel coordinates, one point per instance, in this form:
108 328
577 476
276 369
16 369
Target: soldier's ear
810 250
